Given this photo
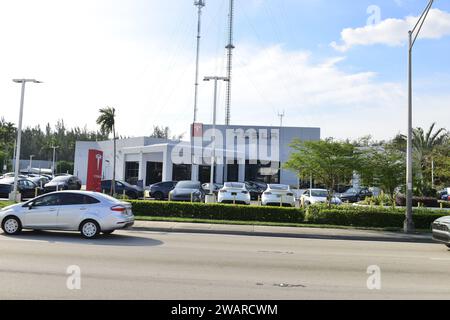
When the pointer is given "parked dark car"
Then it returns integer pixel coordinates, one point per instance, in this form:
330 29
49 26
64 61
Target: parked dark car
131 191
41 181
256 189
216 188
444 194
160 191
63 182
188 191
26 187
353 195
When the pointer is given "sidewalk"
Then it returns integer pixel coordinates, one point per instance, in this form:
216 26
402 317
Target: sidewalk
284 232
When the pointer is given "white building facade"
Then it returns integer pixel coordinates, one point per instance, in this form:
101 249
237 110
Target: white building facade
242 153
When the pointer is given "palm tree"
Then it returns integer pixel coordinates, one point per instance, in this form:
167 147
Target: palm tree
426 144
107 123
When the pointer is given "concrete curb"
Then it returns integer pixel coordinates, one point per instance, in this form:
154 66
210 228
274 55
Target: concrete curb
282 232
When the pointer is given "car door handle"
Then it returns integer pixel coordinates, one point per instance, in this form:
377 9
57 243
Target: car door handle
52 210
83 209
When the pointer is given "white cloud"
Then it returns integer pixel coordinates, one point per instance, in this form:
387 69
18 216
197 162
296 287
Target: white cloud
394 32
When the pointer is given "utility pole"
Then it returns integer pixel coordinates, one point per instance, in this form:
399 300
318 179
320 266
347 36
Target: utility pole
229 48
413 34
200 4
213 153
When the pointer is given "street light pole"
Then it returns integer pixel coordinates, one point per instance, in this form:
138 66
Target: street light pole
13 194
413 34
213 154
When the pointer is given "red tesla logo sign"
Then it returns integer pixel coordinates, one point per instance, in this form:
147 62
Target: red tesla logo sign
197 129
94 176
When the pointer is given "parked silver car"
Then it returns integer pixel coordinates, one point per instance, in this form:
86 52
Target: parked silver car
441 230
87 212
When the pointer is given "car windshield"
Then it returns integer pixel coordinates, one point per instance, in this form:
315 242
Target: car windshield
319 193
235 185
279 187
352 190
188 185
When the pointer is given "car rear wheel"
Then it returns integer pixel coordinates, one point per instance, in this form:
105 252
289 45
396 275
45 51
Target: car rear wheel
11 226
89 229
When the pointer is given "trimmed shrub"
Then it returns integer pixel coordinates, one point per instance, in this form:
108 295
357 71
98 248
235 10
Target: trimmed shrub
371 217
445 204
4 204
217 211
356 216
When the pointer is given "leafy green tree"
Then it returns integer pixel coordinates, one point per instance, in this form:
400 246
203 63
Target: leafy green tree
442 165
383 167
65 167
425 146
328 161
107 123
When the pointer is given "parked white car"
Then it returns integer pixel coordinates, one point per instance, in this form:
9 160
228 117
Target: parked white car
87 212
313 196
278 194
234 192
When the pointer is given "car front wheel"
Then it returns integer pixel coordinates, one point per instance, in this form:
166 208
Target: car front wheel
89 229
11 226
448 245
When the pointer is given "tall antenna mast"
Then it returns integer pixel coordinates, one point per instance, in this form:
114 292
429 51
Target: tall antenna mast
229 48
281 115
200 4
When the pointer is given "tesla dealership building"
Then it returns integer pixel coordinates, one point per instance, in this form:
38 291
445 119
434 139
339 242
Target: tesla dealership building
241 153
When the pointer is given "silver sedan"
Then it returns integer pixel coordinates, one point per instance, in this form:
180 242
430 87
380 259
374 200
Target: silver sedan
441 230
87 212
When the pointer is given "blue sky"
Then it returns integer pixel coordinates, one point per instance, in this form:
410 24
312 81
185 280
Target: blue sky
138 55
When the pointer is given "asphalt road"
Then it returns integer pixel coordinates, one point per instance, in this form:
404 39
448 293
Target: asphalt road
145 265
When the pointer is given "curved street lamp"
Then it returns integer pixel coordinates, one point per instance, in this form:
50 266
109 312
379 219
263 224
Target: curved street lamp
413 34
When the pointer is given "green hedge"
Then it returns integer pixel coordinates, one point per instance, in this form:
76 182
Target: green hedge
445 204
356 216
217 211
370 216
5 204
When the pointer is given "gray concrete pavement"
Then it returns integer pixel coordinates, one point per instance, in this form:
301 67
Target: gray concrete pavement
286 232
150 265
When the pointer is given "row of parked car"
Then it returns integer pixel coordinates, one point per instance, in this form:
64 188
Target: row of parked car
31 185
244 193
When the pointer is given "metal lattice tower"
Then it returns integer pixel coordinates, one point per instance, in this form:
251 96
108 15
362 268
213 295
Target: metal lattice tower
229 48
200 4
